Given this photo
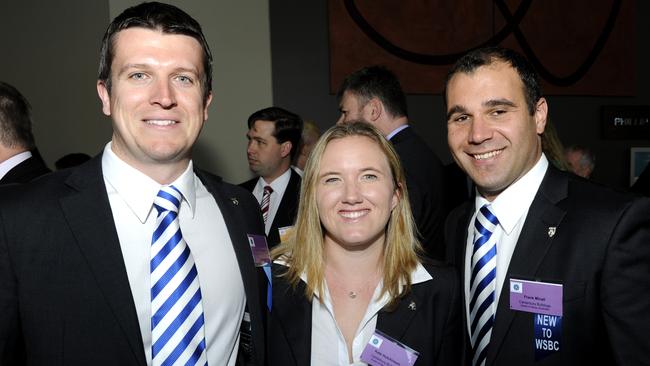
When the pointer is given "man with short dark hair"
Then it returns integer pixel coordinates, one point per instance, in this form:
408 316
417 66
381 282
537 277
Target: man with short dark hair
18 164
554 268
135 257
273 139
374 95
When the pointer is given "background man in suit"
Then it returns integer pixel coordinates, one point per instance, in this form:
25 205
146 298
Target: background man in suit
373 94
96 269
273 139
17 163
580 250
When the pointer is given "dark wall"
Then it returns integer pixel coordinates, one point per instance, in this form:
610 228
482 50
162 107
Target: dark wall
300 62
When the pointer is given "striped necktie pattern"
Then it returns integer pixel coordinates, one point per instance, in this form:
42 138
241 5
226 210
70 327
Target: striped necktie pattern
177 322
483 284
266 202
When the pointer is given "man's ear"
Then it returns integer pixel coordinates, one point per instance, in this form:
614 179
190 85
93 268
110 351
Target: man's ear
373 109
104 96
205 108
285 148
541 113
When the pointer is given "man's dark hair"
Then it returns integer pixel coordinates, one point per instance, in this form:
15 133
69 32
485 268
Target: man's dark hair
155 16
376 82
488 56
288 126
15 119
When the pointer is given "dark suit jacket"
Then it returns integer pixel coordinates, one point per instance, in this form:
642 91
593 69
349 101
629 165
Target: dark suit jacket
600 253
26 171
425 183
64 293
432 329
286 214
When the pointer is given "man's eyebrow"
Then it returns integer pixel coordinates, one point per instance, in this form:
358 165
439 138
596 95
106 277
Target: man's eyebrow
456 109
499 102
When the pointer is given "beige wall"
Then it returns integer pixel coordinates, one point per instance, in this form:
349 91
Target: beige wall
50 53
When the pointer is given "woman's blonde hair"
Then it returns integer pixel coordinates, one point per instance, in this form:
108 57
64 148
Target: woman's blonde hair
303 251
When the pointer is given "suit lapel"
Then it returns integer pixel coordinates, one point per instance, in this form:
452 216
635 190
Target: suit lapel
395 323
294 313
288 207
533 244
89 216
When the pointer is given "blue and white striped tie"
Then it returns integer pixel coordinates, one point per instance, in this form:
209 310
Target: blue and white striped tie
483 284
177 331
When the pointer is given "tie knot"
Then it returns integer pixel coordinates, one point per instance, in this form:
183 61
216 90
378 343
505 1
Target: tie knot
168 199
486 220
268 190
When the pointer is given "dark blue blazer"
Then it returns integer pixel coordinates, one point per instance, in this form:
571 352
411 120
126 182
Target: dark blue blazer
599 252
64 293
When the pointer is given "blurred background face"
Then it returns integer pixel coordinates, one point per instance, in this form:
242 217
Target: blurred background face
156 100
264 152
355 193
490 132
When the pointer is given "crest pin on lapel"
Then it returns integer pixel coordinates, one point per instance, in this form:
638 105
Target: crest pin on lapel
234 201
412 305
551 231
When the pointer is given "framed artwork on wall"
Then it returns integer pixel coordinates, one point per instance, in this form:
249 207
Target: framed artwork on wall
639 159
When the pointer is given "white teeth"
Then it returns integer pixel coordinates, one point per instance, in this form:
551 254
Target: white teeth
354 214
487 155
160 122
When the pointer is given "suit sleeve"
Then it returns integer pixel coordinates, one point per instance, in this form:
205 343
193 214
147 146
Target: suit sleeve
625 286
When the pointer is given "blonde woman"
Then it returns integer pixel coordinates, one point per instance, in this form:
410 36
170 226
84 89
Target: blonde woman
350 268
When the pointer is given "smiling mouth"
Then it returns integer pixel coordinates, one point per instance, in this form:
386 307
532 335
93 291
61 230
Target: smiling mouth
354 214
160 122
487 155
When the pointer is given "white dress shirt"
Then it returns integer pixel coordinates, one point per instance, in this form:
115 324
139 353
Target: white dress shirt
131 194
279 185
511 208
328 347
11 163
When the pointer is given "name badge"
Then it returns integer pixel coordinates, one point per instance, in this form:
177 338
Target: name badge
383 350
284 233
536 297
260 250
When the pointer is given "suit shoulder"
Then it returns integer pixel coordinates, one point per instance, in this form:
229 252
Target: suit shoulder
249 185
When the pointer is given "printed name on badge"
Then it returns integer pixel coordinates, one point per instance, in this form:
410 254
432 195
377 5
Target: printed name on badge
382 350
536 297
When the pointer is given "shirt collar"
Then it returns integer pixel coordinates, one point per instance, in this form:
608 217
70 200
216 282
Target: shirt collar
396 131
511 204
419 275
137 189
11 163
279 184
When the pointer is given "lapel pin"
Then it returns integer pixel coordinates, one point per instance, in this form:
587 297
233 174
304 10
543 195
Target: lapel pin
412 305
551 231
234 201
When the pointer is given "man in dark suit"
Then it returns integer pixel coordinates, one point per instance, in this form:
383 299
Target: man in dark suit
135 257
555 269
273 139
374 95
18 164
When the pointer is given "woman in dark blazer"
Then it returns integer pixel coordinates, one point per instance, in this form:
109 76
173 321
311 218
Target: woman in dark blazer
349 275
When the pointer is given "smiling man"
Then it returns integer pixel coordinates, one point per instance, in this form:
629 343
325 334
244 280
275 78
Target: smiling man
136 257
533 232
